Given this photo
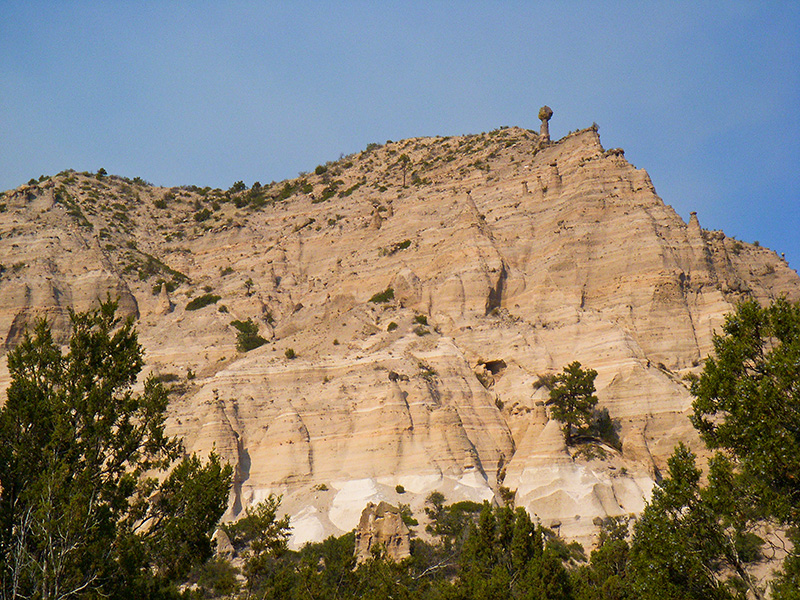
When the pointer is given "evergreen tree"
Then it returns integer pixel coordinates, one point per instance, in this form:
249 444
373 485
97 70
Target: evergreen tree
80 515
606 575
747 404
676 550
572 398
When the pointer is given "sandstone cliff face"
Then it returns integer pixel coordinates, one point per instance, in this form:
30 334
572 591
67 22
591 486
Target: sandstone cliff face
508 258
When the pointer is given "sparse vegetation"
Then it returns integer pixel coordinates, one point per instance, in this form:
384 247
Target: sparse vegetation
247 337
394 247
383 297
171 286
202 301
63 197
202 215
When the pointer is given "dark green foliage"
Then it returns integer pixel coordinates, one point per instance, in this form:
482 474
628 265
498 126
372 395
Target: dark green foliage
237 187
449 523
678 544
260 530
407 515
171 286
382 297
148 266
350 190
260 537
202 215
572 398
787 585
499 554
327 193
290 188
394 248
247 337
189 504
505 556
290 354
605 428
391 326
404 161
606 575
61 196
202 301
748 403
320 169
421 319
80 510
215 578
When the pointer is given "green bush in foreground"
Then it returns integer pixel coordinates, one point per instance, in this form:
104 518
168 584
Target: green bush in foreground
83 512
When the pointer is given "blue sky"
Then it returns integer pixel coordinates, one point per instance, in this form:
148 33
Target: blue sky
705 96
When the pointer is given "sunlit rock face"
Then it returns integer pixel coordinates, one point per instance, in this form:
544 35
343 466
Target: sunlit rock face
507 257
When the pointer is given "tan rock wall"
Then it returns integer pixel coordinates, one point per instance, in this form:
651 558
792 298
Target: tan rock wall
588 264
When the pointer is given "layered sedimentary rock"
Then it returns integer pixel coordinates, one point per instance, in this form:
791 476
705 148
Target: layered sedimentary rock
507 257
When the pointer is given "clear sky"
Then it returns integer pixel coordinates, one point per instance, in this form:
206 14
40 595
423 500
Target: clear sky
704 95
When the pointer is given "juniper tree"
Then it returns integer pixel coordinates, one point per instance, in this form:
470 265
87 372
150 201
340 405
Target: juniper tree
81 514
572 398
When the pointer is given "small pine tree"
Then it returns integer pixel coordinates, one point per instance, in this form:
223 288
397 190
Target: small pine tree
572 398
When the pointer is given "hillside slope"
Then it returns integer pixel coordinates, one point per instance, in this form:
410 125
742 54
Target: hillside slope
507 258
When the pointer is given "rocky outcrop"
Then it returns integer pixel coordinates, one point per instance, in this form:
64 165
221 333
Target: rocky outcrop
381 529
507 258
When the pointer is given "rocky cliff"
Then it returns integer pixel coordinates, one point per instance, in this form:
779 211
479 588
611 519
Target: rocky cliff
411 297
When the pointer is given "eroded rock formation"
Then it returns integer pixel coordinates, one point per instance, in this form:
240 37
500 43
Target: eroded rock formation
506 259
381 529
